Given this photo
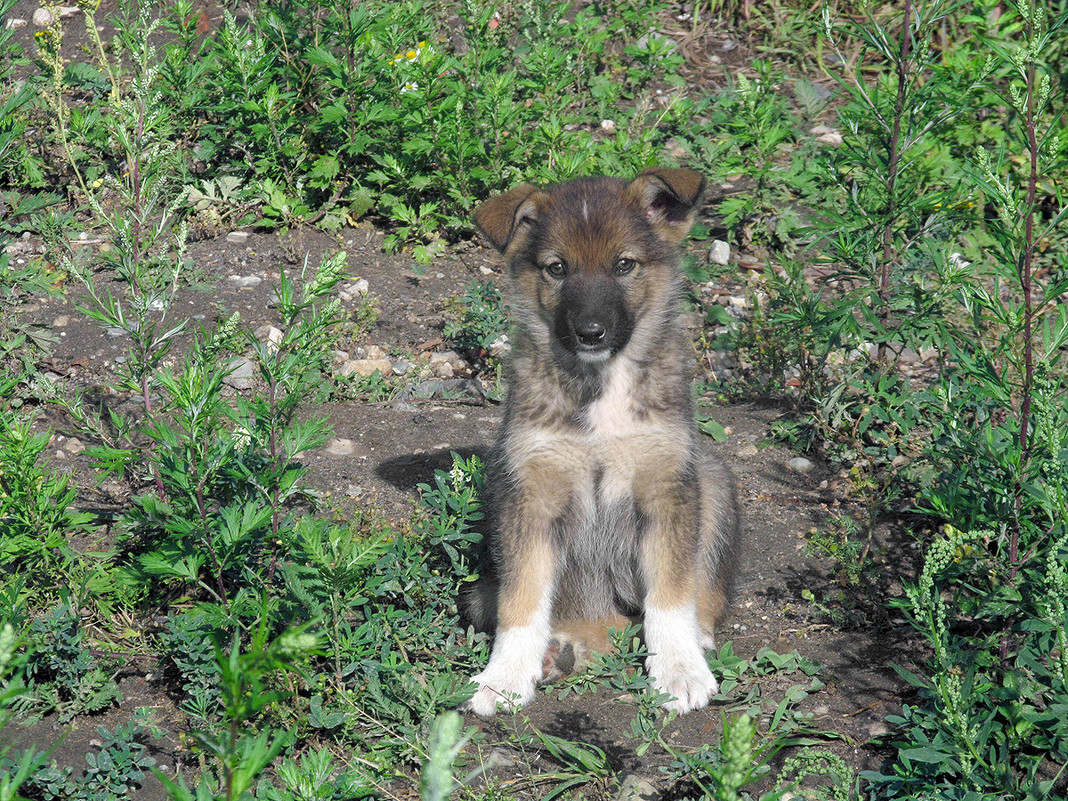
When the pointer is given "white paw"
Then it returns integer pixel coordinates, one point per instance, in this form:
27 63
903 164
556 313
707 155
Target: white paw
691 685
676 660
510 688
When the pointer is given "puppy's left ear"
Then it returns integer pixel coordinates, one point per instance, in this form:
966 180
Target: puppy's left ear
669 198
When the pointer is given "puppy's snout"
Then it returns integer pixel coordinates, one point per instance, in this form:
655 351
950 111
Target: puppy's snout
591 333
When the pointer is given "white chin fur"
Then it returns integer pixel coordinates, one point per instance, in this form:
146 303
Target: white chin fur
594 356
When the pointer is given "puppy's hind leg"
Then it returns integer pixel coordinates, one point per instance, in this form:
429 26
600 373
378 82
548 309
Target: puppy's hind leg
720 546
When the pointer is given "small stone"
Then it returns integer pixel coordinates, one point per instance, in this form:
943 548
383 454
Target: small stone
115 331
443 370
246 281
62 321
237 237
374 352
720 253
75 445
833 138
878 729
242 371
339 357
360 287
485 270
271 335
821 710
608 126
366 367
799 464
340 447
447 356
637 788
748 452
500 347
401 367
42 18
14 23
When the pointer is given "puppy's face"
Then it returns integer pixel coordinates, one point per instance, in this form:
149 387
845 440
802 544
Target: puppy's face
591 256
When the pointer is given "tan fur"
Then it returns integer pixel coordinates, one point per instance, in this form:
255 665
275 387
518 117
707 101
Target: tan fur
606 506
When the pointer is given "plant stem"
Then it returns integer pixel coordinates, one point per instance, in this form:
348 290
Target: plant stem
891 179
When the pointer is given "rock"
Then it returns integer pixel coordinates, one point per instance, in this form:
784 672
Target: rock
608 126
720 253
271 335
339 357
374 352
821 710
340 447
444 356
401 367
246 281
442 370
799 464
440 389
833 138
366 367
637 788
242 371
748 452
62 321
237 237
43 17
500 347
878 729
14 23
75 445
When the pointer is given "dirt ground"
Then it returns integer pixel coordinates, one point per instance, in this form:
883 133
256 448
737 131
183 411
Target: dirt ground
381 451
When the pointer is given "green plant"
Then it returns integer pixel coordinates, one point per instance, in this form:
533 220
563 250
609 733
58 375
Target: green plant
37 512
64 675
477 320
246 692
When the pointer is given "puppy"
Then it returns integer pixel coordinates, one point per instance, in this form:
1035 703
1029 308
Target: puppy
606 505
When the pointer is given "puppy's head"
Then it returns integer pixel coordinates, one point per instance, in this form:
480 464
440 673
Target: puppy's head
592 256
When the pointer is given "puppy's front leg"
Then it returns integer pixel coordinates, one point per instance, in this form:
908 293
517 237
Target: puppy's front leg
670 563
524 623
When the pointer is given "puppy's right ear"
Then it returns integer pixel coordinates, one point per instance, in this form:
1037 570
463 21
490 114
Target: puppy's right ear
502 217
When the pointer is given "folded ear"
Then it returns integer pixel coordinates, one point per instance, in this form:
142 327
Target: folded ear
501 217
670 198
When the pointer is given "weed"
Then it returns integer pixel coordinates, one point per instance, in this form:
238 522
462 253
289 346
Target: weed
65 675
477 320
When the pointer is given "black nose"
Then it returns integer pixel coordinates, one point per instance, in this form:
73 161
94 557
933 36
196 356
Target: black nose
590 333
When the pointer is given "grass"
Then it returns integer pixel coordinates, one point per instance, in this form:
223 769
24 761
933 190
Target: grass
319 658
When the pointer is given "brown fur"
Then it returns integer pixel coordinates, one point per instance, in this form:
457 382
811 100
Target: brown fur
599 486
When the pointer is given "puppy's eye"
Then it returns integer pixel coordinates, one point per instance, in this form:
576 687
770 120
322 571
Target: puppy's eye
624 265
555 269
